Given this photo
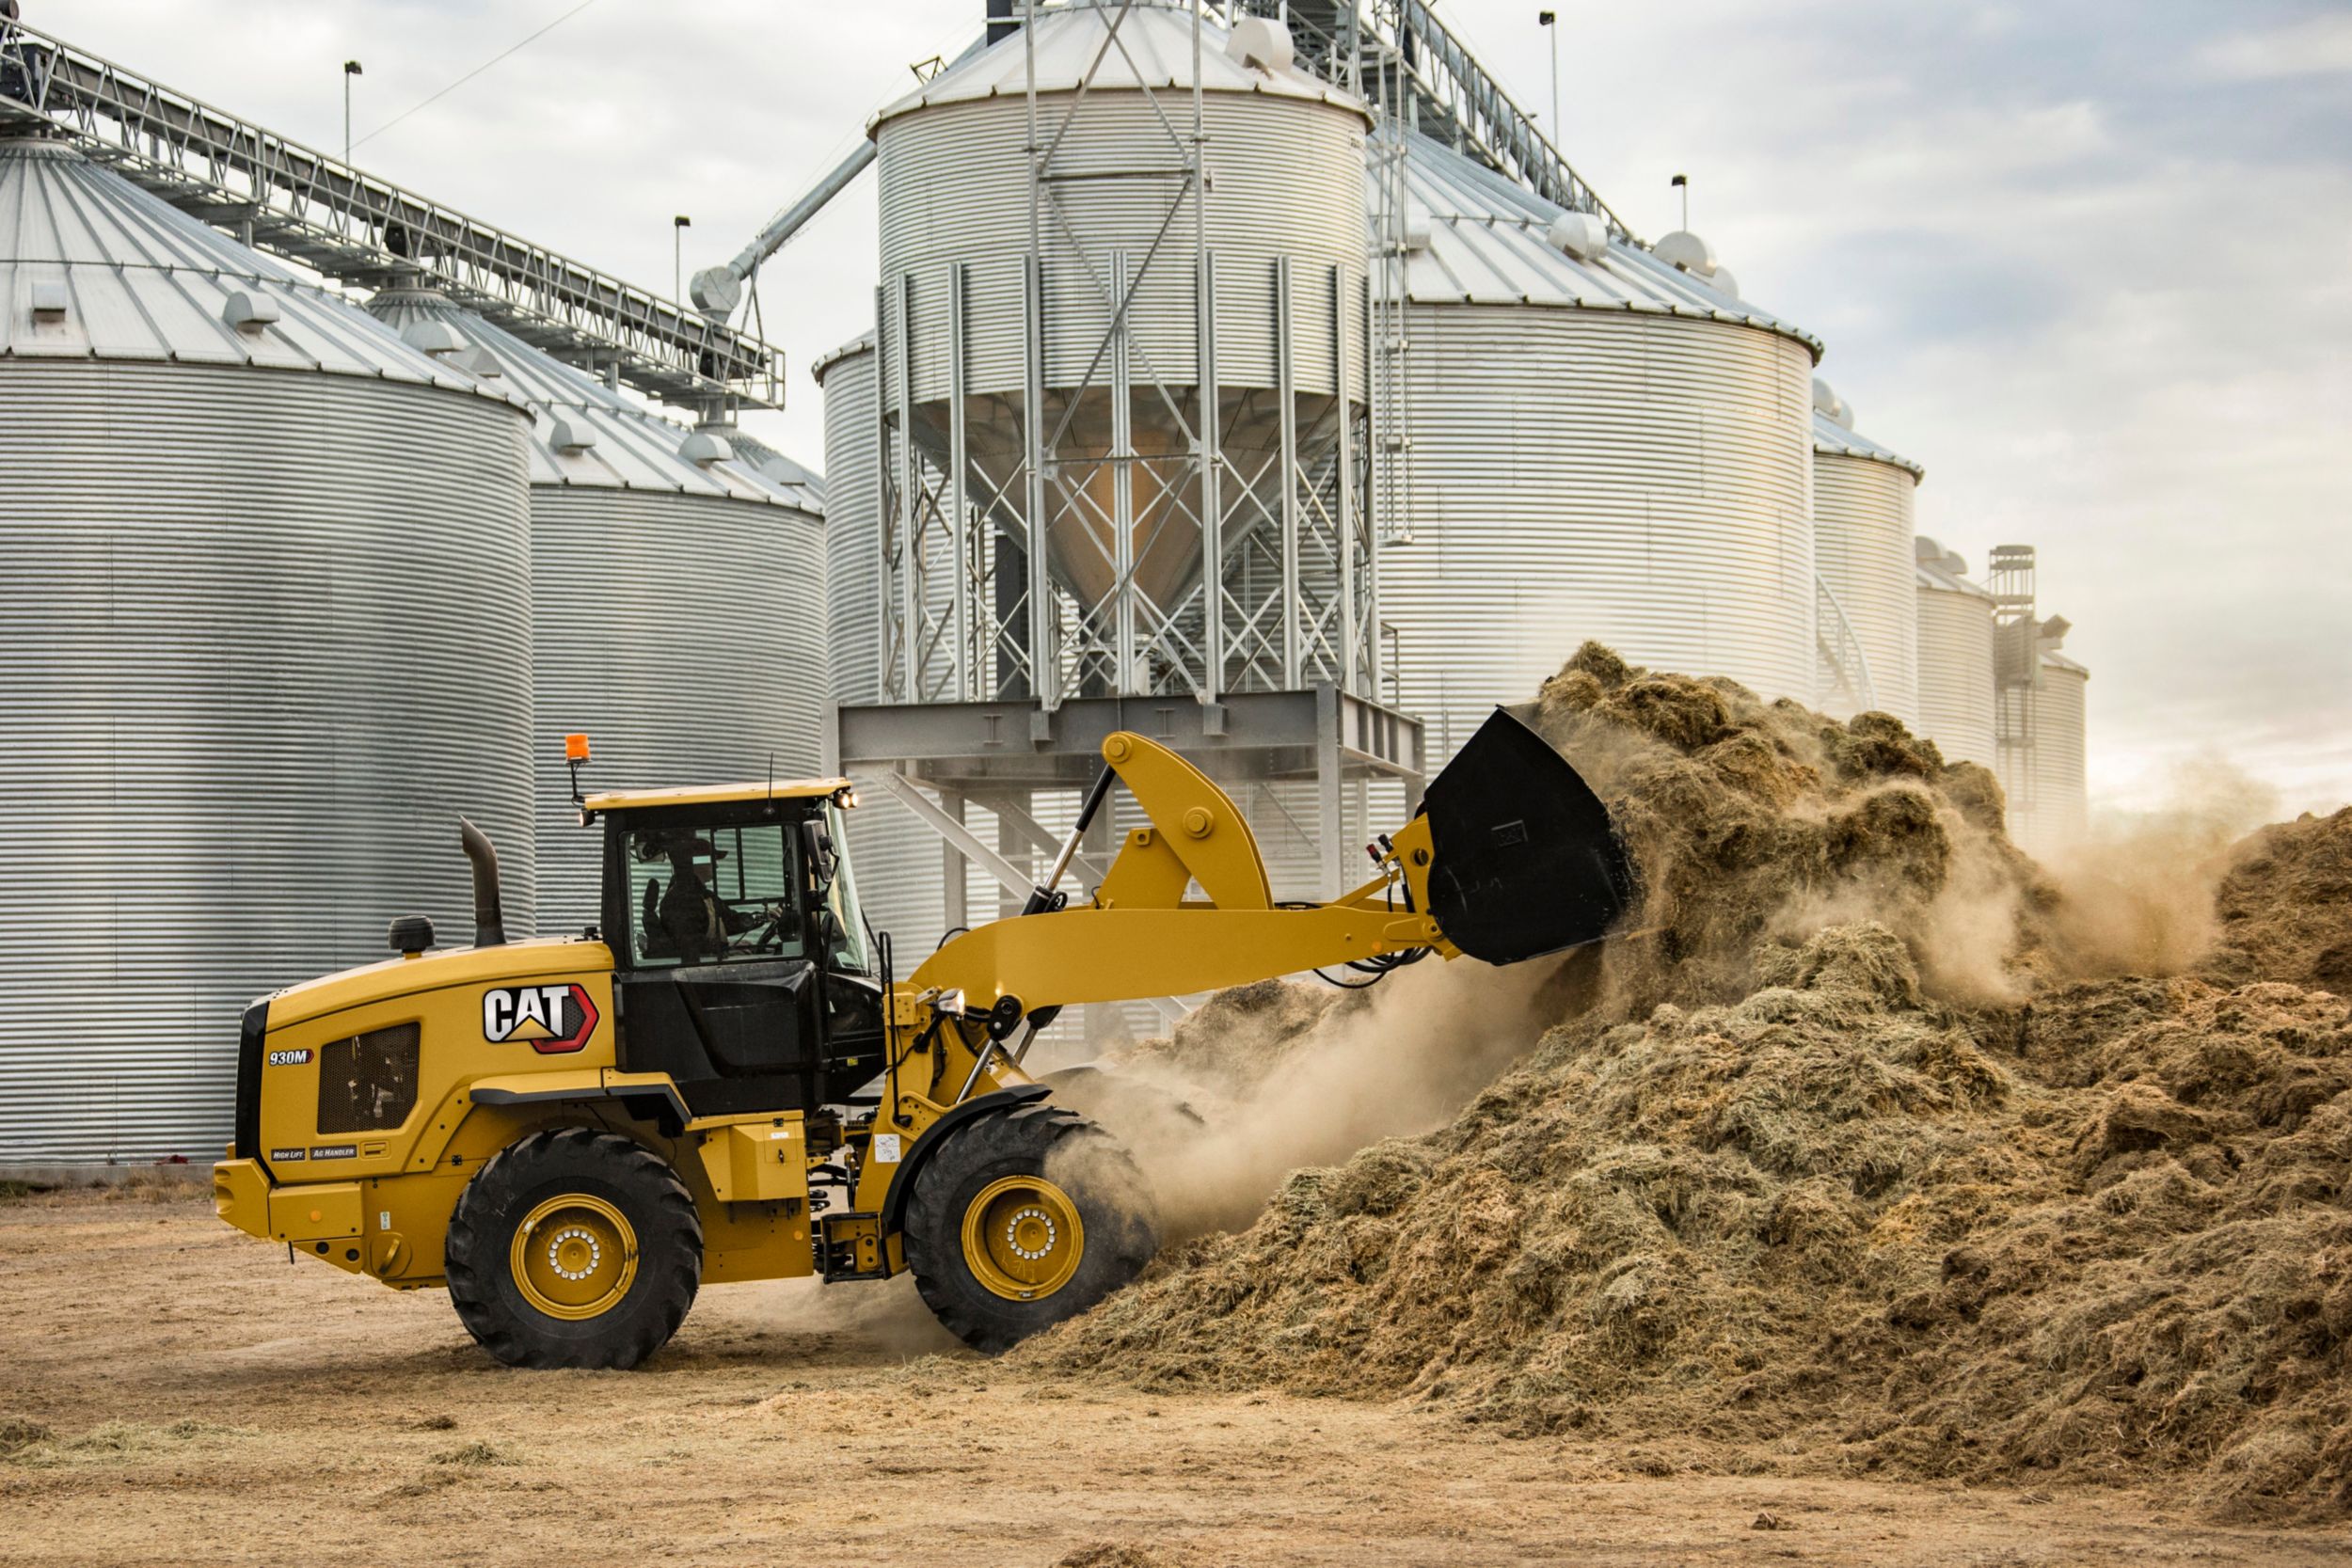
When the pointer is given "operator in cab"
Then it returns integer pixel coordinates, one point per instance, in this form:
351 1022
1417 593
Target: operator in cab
696 920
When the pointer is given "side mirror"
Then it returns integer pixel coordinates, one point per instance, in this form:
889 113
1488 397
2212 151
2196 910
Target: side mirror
823 864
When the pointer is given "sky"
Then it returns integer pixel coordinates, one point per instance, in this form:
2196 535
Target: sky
2088 260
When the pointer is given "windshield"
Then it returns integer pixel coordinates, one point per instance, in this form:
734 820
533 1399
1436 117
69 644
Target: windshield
849 949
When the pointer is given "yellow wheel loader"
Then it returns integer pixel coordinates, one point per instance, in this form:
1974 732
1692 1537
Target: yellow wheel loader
724 1079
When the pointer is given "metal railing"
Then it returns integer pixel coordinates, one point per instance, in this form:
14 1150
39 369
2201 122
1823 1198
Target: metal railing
1452 96
1847 666
352 227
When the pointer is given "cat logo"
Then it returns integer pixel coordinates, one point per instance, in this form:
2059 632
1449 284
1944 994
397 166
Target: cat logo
554 1019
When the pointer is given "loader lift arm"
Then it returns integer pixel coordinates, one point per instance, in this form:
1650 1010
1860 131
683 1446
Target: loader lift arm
1512 848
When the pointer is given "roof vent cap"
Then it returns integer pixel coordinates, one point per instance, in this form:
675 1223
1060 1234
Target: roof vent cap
478 361
1416 235
249 314
1836 410
571 438
432 337
705 448
50 299
1687 252
1723 283
1261 42
2054 632
1578 234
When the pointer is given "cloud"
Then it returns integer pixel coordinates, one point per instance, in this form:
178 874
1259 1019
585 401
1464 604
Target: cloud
2315 46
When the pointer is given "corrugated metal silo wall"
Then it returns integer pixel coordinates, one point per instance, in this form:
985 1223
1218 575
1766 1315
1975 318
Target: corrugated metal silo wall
1288 181
1955 674
1861 547
2057 815
1643 480
899 872
264 636
852 529
686 636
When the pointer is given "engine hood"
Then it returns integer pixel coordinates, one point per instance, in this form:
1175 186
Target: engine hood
554 957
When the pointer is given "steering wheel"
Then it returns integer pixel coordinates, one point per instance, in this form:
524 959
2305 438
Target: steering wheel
773 934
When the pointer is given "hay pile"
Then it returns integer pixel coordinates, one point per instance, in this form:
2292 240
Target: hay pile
1801 1192
2285 906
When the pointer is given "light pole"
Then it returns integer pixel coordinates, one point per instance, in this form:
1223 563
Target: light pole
678 225
1682 183
1549 21
351 69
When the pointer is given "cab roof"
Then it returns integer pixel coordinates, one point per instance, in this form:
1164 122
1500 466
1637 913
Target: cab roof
714 795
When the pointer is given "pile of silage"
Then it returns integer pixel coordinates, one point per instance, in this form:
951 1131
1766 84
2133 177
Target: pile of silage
2285 906
1797 1196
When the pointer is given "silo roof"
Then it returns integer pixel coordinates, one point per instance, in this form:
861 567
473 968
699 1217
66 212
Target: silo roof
1830 437
1940 569
862 344
1488 243
803 486
631 449
1153 49
92 267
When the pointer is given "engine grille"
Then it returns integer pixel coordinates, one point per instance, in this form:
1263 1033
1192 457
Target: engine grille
369 1084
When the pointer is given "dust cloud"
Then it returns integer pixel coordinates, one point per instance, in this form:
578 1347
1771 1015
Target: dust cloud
1278 1076
2136 895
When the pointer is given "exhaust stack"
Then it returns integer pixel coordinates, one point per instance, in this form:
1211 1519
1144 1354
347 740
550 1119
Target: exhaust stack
490 921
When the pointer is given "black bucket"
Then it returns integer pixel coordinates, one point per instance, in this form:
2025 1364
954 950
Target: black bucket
1523 858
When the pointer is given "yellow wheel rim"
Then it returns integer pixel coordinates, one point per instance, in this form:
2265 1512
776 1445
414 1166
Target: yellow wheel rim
574 1257
1021 1237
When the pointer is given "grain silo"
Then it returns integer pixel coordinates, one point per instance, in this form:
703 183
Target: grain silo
1863 548
2051 813
973 248
1600 444
1956 692
265 586
1052 517
677 616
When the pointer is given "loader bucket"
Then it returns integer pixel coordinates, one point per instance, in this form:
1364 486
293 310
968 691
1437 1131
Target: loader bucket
1523 859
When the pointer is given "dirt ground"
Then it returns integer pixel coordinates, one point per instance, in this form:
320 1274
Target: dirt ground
206 1402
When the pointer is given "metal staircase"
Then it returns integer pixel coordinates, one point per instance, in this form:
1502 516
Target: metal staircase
1845 669
352 227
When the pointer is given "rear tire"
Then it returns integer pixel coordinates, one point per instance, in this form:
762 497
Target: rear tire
1025 1218
574 1248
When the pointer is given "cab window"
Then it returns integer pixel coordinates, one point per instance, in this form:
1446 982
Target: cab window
714 894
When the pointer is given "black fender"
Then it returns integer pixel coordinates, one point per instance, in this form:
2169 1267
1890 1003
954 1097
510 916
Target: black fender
673 1104
894 1206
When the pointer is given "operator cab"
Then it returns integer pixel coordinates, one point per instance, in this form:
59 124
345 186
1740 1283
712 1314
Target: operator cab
740 958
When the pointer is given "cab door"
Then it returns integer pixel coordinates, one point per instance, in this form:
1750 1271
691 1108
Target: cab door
719 988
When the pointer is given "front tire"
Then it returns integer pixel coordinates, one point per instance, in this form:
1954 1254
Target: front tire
1025 1218
574 1248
